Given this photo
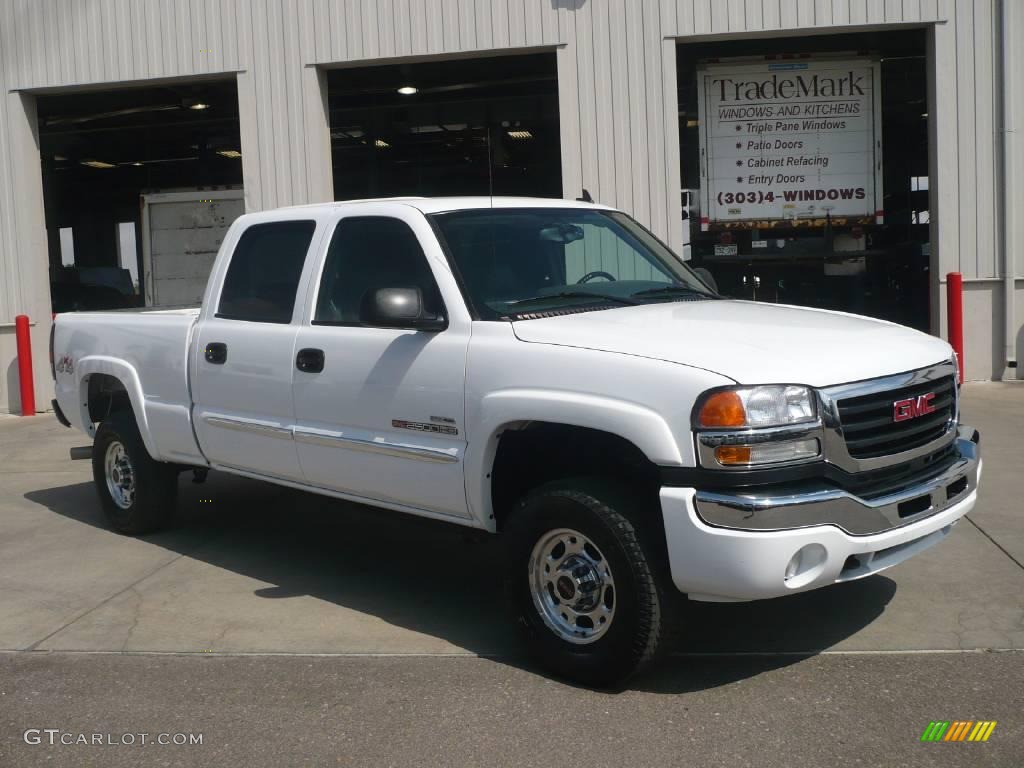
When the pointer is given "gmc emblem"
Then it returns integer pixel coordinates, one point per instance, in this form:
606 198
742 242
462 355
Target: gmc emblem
912 407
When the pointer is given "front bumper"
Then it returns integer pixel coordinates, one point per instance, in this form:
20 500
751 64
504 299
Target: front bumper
749 545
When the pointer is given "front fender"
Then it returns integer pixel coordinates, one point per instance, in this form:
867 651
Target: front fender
641 426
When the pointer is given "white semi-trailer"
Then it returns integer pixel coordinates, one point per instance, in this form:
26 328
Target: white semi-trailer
790 142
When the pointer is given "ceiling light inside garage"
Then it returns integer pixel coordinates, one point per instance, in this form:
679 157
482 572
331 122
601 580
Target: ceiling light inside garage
98 164
234 154
199 105
520 135
408 90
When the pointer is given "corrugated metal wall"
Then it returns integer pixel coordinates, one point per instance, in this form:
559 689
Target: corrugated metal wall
617 86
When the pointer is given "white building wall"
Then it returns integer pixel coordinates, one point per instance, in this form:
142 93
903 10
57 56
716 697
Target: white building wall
617 91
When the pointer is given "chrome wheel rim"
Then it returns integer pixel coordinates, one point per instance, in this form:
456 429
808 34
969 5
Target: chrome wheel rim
572 586
120 475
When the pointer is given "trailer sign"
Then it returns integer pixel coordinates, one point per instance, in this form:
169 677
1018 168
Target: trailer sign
790 143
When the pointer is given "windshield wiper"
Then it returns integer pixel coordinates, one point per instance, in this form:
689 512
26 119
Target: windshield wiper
572 295
670 289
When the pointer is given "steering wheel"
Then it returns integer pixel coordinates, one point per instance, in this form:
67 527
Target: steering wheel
596 273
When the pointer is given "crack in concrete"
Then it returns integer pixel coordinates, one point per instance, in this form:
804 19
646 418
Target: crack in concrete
102 603
135 616
191 553
35 470
998 546
219 637
959 630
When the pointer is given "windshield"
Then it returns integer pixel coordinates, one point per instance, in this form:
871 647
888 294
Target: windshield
516 261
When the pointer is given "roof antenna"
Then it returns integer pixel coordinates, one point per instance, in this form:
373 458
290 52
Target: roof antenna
490 167
586 197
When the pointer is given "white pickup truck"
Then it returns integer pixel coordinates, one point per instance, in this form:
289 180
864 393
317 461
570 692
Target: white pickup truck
542 369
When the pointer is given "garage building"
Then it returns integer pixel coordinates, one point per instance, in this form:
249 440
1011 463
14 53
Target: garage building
132 134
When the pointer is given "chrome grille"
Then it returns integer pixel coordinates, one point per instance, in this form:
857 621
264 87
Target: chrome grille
870 431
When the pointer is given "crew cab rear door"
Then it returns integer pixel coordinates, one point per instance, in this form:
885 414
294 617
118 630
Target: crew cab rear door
245 350
380 410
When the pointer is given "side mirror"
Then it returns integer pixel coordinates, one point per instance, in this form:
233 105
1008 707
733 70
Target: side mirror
399 308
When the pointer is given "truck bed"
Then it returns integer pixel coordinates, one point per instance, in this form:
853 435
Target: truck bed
148 350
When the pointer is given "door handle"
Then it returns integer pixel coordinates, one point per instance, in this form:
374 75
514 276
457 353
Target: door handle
216 353
310 360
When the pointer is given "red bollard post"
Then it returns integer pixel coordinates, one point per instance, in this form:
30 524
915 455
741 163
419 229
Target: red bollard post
28 387
955 315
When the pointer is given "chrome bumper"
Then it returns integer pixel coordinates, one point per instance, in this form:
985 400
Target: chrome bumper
760 510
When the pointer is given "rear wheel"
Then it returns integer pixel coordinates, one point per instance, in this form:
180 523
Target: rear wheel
137 493
586 581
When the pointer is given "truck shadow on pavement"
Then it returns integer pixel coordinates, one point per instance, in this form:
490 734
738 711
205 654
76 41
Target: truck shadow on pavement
441 581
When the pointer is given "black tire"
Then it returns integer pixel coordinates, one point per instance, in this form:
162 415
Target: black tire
155 484
645 600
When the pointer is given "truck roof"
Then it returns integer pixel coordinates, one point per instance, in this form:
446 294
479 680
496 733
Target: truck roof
441 204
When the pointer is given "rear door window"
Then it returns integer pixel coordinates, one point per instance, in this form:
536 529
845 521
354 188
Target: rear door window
263 276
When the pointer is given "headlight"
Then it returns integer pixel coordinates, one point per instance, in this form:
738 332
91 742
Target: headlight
776 405
744 427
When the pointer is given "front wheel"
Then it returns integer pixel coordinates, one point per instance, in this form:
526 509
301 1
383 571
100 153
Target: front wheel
137 492
585 584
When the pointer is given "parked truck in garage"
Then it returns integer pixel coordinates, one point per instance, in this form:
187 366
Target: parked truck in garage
543 370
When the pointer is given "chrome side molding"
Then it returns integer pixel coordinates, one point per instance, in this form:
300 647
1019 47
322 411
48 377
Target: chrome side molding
376 446
419 453
254 427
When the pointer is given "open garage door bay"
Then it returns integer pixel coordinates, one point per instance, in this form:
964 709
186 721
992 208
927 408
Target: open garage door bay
140 184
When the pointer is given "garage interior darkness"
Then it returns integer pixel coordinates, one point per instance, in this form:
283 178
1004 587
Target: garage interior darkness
472 126
892 281
100 151
454 127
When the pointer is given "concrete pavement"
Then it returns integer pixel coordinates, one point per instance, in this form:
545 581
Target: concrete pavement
998 411
256 569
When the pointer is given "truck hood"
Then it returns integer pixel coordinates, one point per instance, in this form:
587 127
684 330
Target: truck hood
749 342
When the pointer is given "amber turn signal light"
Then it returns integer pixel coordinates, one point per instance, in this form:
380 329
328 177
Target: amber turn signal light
723 409
732 454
